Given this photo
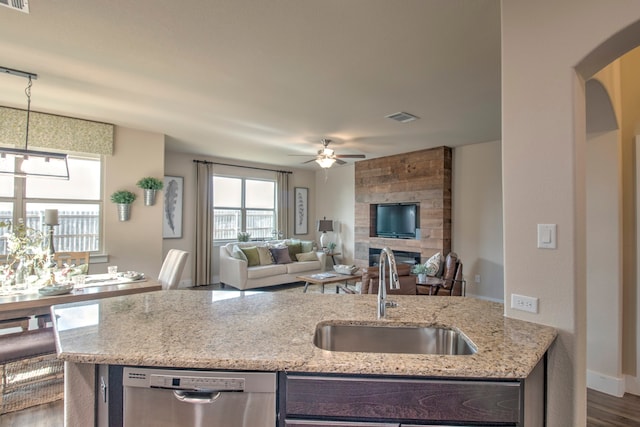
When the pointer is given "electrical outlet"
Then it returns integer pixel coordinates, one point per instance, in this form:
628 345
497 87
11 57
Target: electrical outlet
524 303
477 278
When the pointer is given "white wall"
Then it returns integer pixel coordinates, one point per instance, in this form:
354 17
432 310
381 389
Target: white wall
477 217
604 265
135 244
543 142
335 199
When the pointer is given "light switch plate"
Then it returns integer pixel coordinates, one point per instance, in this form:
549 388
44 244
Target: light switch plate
547 236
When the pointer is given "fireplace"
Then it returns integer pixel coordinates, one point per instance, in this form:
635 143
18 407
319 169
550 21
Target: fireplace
402 257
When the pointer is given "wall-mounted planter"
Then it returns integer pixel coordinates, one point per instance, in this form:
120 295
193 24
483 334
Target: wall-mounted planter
124 211
150 197
150 185
123 198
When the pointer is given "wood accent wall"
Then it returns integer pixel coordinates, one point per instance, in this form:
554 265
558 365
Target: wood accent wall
420 176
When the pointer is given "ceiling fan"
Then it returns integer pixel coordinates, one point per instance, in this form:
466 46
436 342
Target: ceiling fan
326 157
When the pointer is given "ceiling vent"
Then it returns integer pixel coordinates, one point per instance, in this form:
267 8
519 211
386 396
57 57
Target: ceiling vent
402 117
21 5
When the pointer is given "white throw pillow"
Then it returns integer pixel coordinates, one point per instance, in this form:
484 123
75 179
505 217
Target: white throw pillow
433 264
236 252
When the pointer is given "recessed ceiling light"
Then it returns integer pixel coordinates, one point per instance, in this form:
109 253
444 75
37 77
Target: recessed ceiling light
402 117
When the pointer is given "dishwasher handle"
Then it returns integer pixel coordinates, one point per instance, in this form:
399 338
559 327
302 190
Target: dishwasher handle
196 397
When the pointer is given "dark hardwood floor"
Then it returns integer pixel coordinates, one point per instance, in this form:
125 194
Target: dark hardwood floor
606 410
602 411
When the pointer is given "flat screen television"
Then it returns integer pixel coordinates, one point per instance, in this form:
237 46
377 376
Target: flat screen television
397 220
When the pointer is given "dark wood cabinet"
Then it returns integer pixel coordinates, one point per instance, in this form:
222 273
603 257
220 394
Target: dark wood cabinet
351 400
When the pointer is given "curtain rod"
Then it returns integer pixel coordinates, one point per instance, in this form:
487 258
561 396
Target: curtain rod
206 162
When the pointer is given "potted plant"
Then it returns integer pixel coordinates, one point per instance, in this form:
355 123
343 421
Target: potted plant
421 270
150 186
123 198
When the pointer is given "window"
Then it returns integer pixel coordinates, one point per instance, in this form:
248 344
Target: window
243 204
78 201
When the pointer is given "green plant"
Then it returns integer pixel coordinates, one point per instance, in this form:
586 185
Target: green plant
150 183
243 236
123 197
420 269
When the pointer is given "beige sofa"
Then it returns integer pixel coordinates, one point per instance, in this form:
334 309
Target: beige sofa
235 271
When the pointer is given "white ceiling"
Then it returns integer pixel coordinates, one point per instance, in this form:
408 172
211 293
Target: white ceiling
262 79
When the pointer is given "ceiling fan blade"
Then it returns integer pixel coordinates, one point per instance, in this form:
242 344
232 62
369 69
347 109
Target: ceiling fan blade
351 156
309 161
340 162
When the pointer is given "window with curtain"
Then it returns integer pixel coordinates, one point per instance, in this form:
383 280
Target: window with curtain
78 201
243 204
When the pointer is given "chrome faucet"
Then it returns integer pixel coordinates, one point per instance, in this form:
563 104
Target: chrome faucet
394 283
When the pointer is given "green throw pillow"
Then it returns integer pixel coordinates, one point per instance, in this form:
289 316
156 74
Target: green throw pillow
306 245
253 257
294 249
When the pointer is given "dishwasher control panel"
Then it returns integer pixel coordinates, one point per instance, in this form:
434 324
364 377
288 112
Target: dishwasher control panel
197 383
183 379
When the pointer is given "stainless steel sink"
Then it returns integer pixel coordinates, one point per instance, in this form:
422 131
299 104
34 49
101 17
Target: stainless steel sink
391 339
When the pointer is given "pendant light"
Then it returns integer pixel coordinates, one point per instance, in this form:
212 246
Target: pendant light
23 163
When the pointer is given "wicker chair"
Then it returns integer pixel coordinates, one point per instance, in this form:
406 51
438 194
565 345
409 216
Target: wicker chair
30 373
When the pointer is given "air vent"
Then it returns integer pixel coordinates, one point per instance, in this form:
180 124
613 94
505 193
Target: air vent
402 117
21 5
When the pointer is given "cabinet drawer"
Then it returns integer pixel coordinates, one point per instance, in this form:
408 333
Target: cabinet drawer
410 400
313 423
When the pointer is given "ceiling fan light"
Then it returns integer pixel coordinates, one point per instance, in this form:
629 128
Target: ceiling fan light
325 162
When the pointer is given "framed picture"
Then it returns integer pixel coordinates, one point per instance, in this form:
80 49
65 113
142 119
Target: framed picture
172 209
301 214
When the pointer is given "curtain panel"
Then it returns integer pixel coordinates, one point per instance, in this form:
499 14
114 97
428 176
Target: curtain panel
204 224
282 202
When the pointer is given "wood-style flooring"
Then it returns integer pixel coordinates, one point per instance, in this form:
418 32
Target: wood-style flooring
602 411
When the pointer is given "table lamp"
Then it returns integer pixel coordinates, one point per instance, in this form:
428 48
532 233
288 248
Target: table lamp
50 220
324 225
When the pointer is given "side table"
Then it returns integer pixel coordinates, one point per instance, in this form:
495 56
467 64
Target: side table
333 255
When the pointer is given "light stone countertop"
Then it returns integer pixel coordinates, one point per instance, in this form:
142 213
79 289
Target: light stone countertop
273 331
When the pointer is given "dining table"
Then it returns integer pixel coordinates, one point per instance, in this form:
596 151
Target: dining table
31 302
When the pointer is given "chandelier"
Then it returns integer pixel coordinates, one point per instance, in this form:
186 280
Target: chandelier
24 163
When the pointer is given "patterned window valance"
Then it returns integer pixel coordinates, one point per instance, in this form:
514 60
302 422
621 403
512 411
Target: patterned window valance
48 131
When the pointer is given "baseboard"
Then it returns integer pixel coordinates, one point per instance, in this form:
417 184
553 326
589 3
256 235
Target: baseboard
606 384
632 385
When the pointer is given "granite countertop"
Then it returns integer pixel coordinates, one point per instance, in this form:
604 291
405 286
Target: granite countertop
273 331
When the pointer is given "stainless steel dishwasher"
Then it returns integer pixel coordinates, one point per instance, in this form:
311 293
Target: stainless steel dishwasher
184 398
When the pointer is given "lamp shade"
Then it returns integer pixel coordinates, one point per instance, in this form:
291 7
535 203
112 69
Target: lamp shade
325 225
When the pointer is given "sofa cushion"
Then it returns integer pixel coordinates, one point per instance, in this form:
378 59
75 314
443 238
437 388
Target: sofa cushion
280 255
251 253
307 256
295 247
263 271
237 253
301 267
265 255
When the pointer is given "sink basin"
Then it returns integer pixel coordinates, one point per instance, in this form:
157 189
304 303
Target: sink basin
391 339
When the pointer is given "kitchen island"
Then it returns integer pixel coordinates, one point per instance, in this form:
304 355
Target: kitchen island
273 332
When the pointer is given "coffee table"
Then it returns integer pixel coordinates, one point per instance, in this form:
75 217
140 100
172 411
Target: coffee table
327 278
